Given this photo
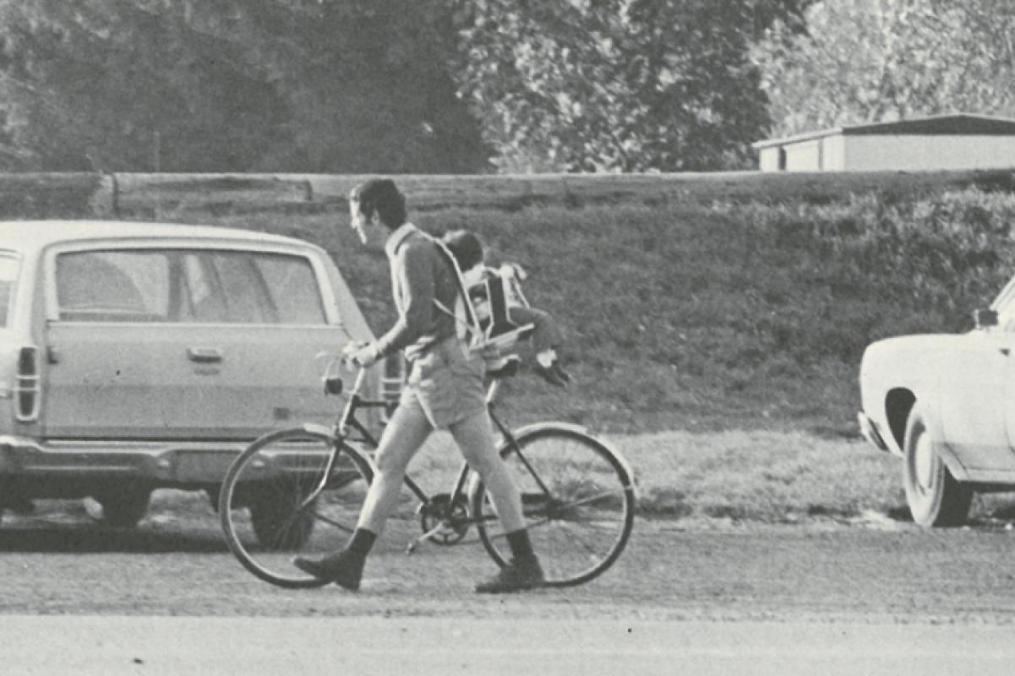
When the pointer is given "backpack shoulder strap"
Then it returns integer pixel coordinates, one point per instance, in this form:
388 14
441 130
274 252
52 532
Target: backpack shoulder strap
470 321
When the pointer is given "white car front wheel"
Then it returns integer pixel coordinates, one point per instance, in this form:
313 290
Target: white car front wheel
934 496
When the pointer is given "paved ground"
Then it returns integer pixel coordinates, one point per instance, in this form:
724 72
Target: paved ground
178 645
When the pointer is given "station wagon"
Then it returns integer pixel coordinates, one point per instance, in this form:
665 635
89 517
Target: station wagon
136 356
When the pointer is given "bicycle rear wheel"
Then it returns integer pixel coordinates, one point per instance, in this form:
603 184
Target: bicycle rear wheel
279 500
578 499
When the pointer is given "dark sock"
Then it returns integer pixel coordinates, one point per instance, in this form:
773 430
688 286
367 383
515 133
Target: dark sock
361 542
521 546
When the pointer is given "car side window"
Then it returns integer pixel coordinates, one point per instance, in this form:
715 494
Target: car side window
200 300
188 286
292 287
250 288
126 286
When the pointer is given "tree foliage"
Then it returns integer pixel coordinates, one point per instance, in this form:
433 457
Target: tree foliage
865 61
617 85
186 85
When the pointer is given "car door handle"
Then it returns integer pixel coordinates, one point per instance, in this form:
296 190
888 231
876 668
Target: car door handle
1005 350
204 355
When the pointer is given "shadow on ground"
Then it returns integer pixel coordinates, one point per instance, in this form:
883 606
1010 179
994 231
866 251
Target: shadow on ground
72 530
101 539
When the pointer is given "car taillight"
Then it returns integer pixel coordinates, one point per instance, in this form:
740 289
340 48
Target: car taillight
26 388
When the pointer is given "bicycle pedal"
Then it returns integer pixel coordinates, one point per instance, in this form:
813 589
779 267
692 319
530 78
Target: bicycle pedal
414 545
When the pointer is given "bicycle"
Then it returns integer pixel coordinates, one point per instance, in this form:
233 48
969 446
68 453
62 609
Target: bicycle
299 490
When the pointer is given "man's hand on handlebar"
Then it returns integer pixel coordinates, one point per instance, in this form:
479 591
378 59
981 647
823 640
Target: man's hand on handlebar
360 353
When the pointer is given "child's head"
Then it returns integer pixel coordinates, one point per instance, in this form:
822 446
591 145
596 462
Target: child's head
465 247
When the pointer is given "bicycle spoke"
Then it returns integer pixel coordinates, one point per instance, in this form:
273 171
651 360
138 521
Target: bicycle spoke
519 456
580 536
331 522
581 540
563 506
292 501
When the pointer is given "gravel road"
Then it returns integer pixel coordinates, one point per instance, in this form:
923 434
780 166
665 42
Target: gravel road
730 585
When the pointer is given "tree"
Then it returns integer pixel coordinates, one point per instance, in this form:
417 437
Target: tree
863 61
617 85
124 85
231 85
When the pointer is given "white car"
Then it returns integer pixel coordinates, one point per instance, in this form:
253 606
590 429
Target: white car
135 356
945 404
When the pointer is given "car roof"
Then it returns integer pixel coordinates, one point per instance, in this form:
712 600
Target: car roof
25 235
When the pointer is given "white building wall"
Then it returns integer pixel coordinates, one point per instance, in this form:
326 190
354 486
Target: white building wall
833 153
902 153
768 159
803 156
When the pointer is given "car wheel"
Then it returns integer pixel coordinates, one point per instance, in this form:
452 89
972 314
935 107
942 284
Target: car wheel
934 496
125 507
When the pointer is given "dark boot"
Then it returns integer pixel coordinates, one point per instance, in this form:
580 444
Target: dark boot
344 568
518 575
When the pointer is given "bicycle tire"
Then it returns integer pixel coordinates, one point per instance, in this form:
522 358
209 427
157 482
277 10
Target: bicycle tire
260 503
578 498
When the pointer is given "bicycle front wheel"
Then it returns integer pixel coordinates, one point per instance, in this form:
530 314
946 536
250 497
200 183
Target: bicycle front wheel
281 499
578 499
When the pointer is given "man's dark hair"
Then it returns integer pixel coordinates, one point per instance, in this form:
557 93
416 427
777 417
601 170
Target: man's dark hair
381 196
465 247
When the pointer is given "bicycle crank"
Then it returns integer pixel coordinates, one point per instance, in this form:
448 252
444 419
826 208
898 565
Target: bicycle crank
442 521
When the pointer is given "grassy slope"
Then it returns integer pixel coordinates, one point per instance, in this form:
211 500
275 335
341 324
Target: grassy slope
715 315
740 323
651 300
733 308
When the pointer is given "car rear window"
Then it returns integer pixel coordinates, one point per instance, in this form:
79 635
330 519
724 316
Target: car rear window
8 277
187 286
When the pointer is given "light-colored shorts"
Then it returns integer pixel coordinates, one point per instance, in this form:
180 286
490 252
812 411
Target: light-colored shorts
447 383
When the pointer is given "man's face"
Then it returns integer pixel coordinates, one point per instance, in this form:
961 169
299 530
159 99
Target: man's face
369 228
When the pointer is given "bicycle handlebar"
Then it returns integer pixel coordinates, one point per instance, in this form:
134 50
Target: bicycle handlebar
361 378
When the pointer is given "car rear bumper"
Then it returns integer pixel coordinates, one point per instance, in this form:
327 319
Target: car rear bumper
166 463
870 431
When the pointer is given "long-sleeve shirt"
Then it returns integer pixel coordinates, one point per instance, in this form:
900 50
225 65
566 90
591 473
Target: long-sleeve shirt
420 275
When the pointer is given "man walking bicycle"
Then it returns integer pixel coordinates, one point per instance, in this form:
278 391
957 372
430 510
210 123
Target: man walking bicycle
444 390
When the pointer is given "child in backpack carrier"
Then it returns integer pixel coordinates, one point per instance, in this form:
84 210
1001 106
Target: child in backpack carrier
502 309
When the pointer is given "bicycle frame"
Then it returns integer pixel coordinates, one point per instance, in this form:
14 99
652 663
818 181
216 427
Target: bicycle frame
347 420
578 543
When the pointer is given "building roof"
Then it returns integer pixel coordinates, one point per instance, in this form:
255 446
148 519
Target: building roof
964 124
